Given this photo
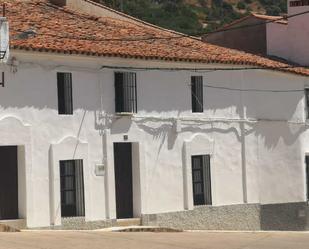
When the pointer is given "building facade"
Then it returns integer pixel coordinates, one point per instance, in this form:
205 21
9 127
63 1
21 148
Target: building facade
251 39
275 36
90 135
290 41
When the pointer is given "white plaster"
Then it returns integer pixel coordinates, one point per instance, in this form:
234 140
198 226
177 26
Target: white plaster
263 133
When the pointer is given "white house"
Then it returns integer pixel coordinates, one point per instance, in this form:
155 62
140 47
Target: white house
289 40
102 118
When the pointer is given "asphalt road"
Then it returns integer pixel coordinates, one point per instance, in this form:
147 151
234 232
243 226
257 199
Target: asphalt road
186 240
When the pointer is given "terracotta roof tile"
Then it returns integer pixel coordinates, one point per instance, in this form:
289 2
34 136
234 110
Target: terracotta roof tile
61 30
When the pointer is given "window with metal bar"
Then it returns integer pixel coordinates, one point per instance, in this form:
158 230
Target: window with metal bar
65 98
197 93
307 102
201 180
307 176
125 92
299 3
72 188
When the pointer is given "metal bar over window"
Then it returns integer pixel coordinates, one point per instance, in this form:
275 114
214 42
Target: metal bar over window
65 98
125 92
72 188
197 93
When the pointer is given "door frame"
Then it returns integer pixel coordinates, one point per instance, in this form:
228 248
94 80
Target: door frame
195 146
139 175
64 150
8 127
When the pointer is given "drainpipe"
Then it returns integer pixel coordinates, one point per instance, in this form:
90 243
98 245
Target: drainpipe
243 145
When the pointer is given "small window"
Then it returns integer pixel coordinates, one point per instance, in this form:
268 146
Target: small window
65 99
125 92
197 93
307 102
307 177
72 188
299 3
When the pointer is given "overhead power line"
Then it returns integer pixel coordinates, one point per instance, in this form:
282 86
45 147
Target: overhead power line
253 90
207 70
152 38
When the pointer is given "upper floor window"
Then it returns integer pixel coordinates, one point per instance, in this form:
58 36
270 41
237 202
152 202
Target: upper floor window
65 99
307 102
125 92
299 3
197 93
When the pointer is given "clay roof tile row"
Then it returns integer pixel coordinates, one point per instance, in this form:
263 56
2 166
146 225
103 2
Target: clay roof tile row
61 30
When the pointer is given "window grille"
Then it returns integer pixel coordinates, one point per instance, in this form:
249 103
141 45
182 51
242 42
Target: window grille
307 102
197 93
65 98
125 92
299 3
201 180
72 188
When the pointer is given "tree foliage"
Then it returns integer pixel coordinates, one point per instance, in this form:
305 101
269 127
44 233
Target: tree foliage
191 18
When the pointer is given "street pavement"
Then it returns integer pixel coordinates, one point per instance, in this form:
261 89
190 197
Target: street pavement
185 240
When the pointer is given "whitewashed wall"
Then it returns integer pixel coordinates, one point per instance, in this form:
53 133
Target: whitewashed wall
257 140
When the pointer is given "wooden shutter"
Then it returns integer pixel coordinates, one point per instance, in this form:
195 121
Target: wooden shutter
197 93
65 99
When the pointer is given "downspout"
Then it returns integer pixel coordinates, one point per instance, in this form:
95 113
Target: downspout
243 144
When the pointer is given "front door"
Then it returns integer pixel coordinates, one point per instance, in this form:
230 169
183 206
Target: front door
8 183
123 180
201 180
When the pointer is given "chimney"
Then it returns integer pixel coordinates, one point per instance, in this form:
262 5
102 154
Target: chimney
60 3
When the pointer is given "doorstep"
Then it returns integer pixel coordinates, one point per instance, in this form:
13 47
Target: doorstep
128 222
16 225
136 229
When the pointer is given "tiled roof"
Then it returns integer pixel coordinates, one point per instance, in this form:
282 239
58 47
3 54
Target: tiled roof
60 30
277 19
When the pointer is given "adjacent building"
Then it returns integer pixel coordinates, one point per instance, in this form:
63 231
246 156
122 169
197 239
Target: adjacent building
284 38
290 41
248 34
104 118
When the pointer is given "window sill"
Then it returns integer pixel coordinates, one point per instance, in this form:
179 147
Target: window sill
125 114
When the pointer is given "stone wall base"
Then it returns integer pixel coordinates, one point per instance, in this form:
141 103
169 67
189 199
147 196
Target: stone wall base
244 217
79 223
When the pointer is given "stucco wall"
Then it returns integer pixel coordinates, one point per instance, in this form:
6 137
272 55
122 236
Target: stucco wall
256 140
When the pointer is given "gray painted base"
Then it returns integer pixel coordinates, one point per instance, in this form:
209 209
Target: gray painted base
245 217
79 223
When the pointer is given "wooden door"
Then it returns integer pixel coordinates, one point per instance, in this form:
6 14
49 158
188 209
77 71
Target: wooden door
123 180
8 183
